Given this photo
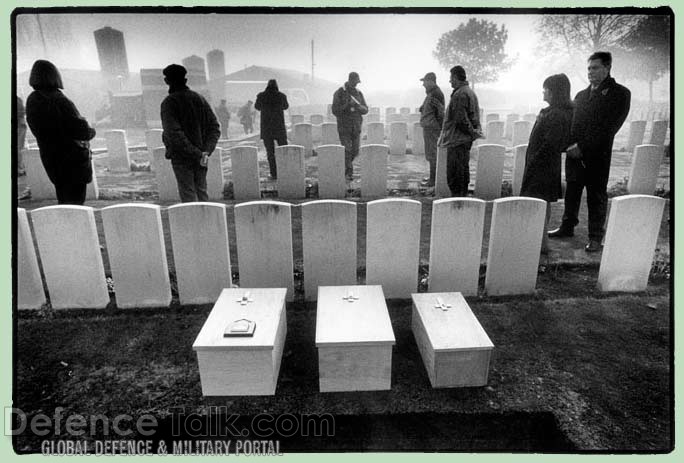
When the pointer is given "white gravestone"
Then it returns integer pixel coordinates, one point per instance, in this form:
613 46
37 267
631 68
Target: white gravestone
418 141
393 245
329 244
405 111
245 170
166 179
297 119
631 238
515 238
376 133
291 175
329 135
658 133
510 119
521 132
374 170
316 133
388 112
413 118
153 139
316 119
636 134
38 180
137 255
372 118
495 132
215 175
70 254
263 231
30 292
302 136
519 153
530 117
199 238
117 151
491 117
456 244
441 185
490 163
643 174
398 132
331 181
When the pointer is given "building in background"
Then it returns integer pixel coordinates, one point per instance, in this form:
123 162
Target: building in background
111 50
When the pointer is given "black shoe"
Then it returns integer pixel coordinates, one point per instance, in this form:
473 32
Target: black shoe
561 232
593 246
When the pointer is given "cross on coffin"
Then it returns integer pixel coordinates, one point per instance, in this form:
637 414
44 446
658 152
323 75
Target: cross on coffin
350 296
441 305
245 299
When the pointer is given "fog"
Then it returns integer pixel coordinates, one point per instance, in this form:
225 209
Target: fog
390 51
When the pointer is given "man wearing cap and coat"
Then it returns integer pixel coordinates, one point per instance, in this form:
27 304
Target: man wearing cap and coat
431 120
349 106
190 133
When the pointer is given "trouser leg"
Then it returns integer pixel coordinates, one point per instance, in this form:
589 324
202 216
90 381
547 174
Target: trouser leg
573 197
346 139
200 179
597 204
458 171
185 179
71 193
269 144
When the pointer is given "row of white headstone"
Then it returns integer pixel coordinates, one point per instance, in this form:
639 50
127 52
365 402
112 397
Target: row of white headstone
70 254
637 130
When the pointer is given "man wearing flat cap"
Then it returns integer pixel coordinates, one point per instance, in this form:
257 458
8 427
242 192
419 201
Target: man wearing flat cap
349 106
190 134
431 120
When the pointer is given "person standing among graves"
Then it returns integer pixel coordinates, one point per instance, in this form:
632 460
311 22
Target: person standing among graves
548 139
62 134
349 106
223 116
461 127
246 115
431 120
190 133
271 103
600 111
21 144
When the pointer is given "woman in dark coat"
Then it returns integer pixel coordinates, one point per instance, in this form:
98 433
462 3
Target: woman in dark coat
549 138
271 102
62 134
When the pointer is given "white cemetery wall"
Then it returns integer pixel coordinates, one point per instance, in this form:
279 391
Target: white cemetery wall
393 245
373 170
199 239
515 238
70 254
456 244
291 175
245 171
490 162
398 138
30 292
329 244
643 174
166 179
137 255
117 151
331 181
519 153
263 231
631 238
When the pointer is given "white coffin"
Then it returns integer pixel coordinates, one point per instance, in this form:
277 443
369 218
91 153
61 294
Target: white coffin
242 365
453 344
354 339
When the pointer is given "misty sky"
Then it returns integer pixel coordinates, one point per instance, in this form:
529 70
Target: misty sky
390 51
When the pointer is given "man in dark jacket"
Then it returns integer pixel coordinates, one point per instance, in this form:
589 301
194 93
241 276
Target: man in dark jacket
431 120
349 106
191 132
271 103
600 110
461 127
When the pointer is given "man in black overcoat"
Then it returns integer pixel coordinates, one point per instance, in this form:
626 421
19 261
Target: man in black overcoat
600 111
271 103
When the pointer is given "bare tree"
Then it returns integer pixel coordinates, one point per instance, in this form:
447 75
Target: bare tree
478 46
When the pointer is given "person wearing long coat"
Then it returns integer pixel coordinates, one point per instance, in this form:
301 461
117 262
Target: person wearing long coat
271 103
550 136
62 134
